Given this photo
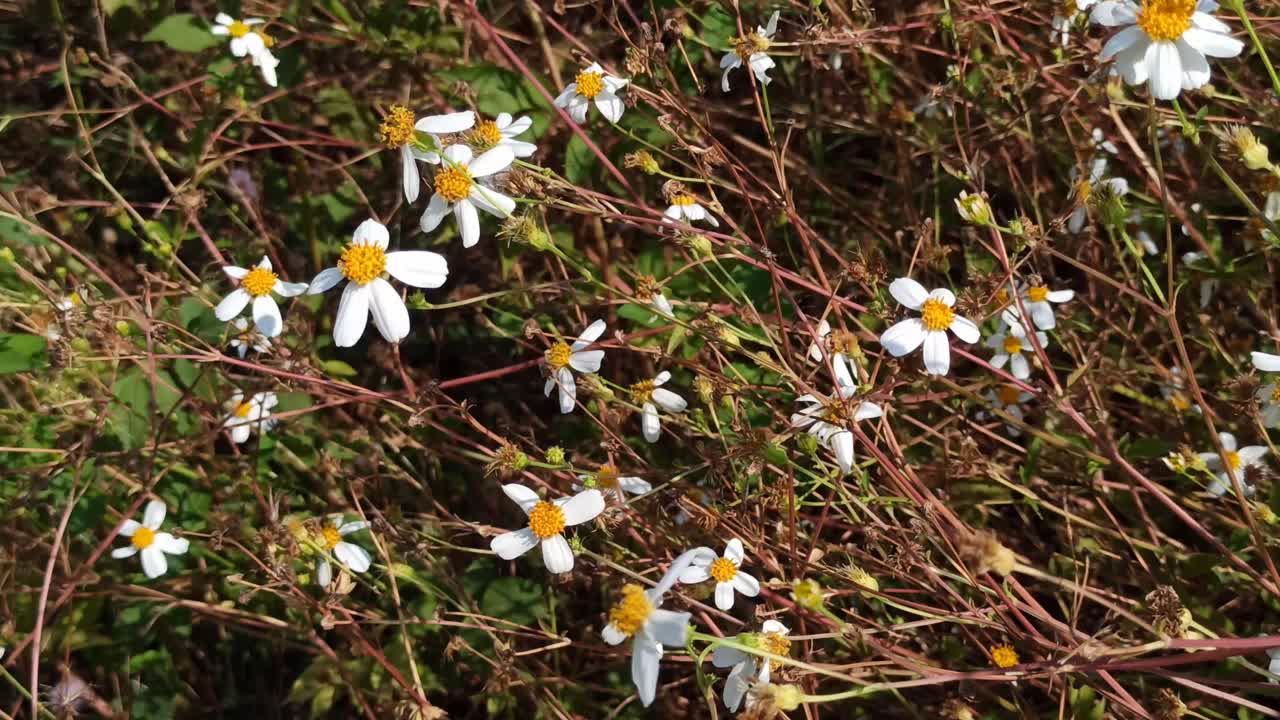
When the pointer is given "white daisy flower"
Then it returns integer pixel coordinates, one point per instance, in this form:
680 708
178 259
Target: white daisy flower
352 556
400 130
1174 392
1009 399
640 617
247 337
930 329
249 414
69 302
1268 397
661 304
828 421
547 521
500 132
650 395
152 545
1100 141
257 284
1066 17
725 571
751 50
685 207
840 345
456 189
593 85
562 358
1164 43
362 264
244 41
1238 459
606 479
1037 298
1083 189
974 208
773 640
1010 348
1266 362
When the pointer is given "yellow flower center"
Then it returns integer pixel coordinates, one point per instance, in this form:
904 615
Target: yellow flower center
745 47
546 520
845 343
1179 402
362 263
558 356
775 643
484 136
590 84
267 40
258 282
1166 19
1008 395
1038 293
397 127
683 199
607 477
237 29
243 409
75 300
1069 8
631 611
143 537
1233 459
837 413
1012 345
1004 656
331 536
1275 394
642 392
936 315
453 183
1002 296
722 570
1082 191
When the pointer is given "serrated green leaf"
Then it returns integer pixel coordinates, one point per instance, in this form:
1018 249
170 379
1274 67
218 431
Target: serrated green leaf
183 32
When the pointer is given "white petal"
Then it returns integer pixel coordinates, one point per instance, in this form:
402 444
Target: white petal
724 595
223 19
612 634
409 174
867 411
354 526
1132 62
694 574
937 353
557 555
371 232
232 305
746 584
458 154
943 295
736 685
1042 315
1213 44
1266 362
521 495
1165 69
590 335
1251 454
1120 41
586 361
390 315
129 528
1019 367
634 485
734 552
468 222
568 390
610 106
419 268
904 337
437 208
240 434
760 65
353 315
724 657
965 329
492 201
266 316
650 425
153 516
1205 21
908 292
1228 441
1060 296
446 124
842 446
493 161
353 556
667 627
121 553
289 289
583 507
235 273
662 378
645 656
325 280
172 545
154 563
324 572
669 401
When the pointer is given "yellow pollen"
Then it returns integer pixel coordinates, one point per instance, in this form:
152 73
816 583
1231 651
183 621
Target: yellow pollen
237 29
775 643
331 536
631 611
1179 402
845 343
1233 459
267 40
1002 296
484 136
1275 394
1008 395
1069 8
362 263
1004 656
453 183
546 520
1012 345
607 477
1038 293
558 356
936 315
143 537
1166 19
258 282
722 570
75 299
1082 191
590 84
397 127
837 413
684 200
243 409
642 392
745 47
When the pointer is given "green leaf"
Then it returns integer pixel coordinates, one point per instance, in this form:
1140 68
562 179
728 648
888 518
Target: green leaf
183 32
21 353
578 160
516 599
338 368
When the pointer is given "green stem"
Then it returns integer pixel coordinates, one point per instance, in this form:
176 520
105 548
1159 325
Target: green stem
1238 6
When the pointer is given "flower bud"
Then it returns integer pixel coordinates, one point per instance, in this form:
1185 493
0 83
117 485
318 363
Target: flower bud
974 208
555 455
808 595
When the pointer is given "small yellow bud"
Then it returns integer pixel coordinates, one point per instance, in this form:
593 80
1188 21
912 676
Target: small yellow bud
705 389
698 244
555 455
808 594
786 697
1247 147
974 208
641 159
